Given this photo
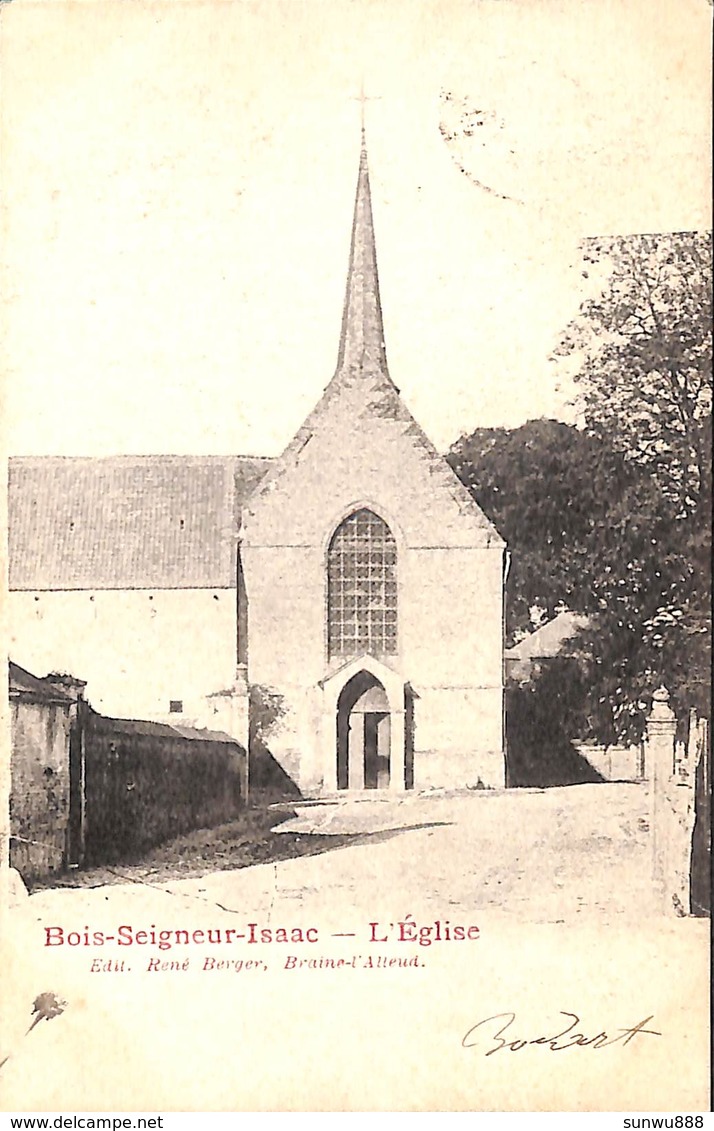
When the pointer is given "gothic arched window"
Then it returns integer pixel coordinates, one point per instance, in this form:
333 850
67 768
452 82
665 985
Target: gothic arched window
362 587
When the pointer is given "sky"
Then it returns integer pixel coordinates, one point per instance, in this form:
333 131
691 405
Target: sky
178 183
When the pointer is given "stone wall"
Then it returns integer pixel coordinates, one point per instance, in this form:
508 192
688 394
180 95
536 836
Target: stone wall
146 783
615 763
39 798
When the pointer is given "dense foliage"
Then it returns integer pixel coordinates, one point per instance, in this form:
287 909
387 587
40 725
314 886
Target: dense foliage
548 489
643 351
614 519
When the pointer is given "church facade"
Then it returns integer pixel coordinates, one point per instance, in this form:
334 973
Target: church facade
352 584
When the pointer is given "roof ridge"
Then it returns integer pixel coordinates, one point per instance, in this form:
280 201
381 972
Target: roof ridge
124 457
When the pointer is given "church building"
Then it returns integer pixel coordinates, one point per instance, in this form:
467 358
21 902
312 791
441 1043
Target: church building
350 591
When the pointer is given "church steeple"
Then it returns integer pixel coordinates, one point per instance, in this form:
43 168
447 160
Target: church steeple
360 436
362 337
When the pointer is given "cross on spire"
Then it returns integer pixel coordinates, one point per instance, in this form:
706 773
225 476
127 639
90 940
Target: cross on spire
363 99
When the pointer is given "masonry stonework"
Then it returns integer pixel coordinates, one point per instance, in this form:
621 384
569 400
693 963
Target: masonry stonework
39 798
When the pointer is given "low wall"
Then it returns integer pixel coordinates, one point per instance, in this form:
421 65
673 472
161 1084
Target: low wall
615 763
148 782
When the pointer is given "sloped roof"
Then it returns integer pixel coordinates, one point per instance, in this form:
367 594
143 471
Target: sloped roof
126 522
22 682
202 734
106 724
549 639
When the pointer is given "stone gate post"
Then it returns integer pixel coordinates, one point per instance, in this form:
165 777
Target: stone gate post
661 727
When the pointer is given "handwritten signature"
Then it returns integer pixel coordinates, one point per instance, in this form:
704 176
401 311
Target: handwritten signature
566 1037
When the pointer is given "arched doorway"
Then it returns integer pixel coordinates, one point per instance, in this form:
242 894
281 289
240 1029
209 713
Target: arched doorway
363 734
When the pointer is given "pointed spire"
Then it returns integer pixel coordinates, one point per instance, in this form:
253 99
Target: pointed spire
362 337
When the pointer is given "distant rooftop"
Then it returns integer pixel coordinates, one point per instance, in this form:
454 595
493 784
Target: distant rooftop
45 689
549 639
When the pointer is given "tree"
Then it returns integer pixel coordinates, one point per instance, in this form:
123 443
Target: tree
643 346
643 352
591 530
648 604
613 520
547 487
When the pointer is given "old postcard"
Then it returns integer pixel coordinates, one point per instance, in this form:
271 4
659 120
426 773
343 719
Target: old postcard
356 400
